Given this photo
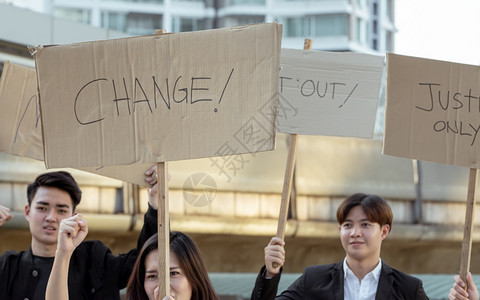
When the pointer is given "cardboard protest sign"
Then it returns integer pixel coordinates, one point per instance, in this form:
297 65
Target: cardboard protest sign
432 111
20 128
329 93
20 123
161 97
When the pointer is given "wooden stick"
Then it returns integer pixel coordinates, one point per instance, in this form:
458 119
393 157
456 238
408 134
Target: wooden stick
163 225
467 234
287 186
163 232
287 181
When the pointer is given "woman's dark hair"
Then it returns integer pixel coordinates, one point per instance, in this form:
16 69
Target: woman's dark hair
61 180
190 260
375 207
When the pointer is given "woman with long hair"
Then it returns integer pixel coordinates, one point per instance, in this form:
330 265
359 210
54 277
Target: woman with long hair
188 275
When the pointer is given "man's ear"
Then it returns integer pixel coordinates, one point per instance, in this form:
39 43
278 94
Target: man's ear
385 231
74 213
26 212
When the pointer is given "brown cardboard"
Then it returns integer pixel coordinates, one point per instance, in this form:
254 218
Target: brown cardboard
20 129
329 93
20 124
418 125
160 97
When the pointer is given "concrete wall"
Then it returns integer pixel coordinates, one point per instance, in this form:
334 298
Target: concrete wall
242 215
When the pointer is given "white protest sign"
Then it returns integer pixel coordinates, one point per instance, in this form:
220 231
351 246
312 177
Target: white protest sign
161 97
432 111
329 93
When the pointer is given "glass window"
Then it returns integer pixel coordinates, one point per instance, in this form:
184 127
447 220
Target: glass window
294 27
143 24
144 1
241 20
77 15
361 3
383 41
387 9
184 24
132 23
329 25
389 42
308 0
361 31
244 2
114 21
317 26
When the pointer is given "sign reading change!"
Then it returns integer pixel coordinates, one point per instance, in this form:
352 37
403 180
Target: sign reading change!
160 97
20 124
433 111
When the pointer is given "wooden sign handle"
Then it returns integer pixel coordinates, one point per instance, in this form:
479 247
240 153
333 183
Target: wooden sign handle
287 181
163 232
163 225
467 233
287 186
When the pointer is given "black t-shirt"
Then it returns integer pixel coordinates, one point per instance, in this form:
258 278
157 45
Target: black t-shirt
42 266
95 273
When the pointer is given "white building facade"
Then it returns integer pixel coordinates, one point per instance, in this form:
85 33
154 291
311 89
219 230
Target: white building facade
333 25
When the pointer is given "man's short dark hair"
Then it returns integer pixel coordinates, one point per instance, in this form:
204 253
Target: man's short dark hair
375 207
61 180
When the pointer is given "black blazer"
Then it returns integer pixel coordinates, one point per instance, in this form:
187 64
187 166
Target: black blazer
325 282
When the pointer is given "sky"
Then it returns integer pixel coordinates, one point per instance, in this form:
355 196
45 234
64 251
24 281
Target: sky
439 29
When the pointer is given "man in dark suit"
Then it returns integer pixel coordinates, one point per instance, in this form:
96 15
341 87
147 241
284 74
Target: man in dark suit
365 221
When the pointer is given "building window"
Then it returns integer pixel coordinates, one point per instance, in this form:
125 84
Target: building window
387 9
132 23
294 27
375 9
389 42
114 21
77 15
133 1
184 24
386 40
315 26
241 20
361 31
374 44
143 24
375 26
329 25
244 2
361 3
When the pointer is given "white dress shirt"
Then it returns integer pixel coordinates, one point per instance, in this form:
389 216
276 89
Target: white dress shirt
354 289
